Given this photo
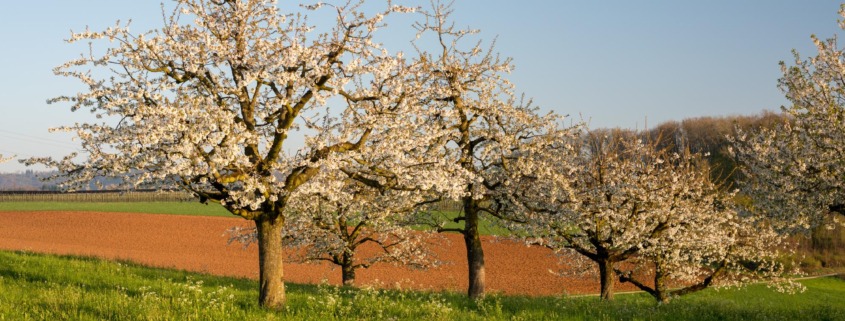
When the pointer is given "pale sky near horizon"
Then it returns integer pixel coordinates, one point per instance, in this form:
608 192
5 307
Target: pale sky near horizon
612 63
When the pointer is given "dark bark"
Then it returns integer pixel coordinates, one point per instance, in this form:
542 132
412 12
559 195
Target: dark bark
661 292
837 208
628 277
607 275
700 285
475 253
271 294
347 268
348 275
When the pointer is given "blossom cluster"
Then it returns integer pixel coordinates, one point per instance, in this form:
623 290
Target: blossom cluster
613 196
794 169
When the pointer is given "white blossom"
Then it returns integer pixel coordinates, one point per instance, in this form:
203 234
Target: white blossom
482 125
613 197
794 170
210 101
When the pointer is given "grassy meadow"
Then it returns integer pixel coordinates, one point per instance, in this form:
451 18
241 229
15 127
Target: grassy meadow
48 287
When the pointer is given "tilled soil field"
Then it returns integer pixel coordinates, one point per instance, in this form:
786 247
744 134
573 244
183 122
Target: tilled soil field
198 243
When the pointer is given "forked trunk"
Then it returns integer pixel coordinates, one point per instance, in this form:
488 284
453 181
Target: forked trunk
271 294
475 254
607 275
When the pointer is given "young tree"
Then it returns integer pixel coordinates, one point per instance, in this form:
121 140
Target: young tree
484 124
794 171
210 100
709 243
334 224
620 197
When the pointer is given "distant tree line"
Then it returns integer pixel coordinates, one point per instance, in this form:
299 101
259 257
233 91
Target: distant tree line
709 136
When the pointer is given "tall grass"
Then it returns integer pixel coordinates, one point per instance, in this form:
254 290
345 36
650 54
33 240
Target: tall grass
46 287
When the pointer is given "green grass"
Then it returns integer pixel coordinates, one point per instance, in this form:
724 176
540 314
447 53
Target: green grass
46 287
194 208
486 227
181 208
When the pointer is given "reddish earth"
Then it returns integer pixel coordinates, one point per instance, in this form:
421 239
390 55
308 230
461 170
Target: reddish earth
197 243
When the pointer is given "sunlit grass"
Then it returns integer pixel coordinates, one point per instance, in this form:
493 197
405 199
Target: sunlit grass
47 287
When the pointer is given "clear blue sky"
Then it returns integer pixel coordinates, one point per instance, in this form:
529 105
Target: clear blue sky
614 63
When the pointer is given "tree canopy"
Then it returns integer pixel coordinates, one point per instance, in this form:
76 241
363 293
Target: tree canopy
795 169
209 101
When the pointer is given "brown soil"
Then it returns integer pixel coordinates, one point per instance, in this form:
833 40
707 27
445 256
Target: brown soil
197 243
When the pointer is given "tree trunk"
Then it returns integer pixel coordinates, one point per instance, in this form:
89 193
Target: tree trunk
661 293
607 275
475 253
271 294
347 270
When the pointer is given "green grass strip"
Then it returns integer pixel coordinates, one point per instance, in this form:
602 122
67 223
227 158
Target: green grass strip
192 208
180 208
48 287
